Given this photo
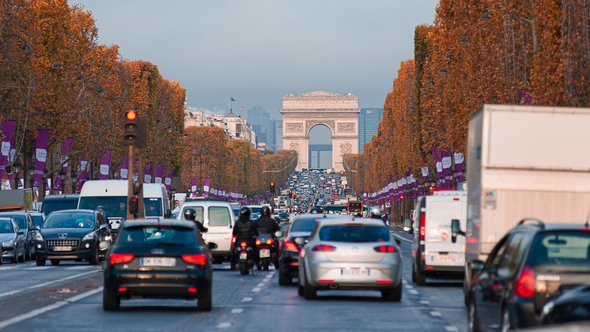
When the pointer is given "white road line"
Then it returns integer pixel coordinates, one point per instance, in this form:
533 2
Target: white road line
256 289
45 309
451 328
224 325
47 283
79 267
260 285
413 291
38 268
237 311
247 299
424 302
435 314
402 238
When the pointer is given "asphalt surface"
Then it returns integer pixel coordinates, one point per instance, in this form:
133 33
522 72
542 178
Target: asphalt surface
69 298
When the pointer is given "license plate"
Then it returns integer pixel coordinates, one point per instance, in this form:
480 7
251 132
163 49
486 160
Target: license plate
63 248
445 259
243 255
264 253
361 272
157 261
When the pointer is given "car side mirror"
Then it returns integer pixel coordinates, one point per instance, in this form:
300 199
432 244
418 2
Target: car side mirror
300 241
456 230
211 245
477 266
279 234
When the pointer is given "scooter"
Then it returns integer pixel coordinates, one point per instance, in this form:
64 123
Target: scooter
245 255
267 252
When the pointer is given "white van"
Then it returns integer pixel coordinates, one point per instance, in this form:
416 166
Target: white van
156 200
218 217
433 251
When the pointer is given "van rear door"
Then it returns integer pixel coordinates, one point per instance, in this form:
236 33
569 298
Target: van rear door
219 222
439 249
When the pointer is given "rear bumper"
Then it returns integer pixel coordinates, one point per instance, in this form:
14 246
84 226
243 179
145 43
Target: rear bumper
376 276
173 285
289 264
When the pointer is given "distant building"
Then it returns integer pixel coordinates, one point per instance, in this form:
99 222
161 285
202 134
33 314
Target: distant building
259 118
275 136
369 119
234 126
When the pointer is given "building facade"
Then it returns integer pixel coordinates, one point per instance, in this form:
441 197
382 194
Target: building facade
369 119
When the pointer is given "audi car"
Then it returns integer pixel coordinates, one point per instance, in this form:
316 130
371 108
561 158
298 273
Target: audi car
71 235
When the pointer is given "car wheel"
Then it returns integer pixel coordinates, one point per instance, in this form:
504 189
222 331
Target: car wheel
28 253
472 321
394 294
420 278
243 269
21 258
94 258
205 303
40 261
299 289
55 262
309 293
285 279
413 274
110 300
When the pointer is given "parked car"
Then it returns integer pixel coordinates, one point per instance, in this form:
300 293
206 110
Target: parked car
357 254
289 250
71 235
158 259
59 202
25 224
217 216
533 264
12 240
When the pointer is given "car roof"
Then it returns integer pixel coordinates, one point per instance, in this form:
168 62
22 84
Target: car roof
553 226
13 212
201 202
359 221
60 197
158 221
73 211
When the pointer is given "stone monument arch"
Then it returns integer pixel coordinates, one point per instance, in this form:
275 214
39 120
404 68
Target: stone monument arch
337 112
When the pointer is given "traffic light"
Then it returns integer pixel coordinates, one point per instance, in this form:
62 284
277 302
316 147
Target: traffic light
272 186
131 128
133 205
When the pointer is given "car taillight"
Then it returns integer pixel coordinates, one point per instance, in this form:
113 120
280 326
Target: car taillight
525 285
323 247
195 259
116 258
258 242
422 225
233 239
243 244
269 241
385 249
291 246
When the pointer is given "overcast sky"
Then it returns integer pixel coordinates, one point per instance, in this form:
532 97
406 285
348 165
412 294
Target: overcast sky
259 50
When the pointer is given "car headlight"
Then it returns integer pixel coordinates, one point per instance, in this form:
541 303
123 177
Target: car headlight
38 236
88 237
7 244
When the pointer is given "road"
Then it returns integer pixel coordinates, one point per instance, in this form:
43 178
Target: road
69 298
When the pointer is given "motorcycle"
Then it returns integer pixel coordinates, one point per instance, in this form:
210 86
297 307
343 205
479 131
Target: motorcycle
245 255
267 252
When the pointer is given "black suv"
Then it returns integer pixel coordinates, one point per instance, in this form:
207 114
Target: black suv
531 265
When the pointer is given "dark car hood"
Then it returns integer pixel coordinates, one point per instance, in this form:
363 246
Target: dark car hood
6 237
72 233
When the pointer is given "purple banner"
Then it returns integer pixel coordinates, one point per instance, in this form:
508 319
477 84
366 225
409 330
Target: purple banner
168 180
66 149
40 156
124 169
147 174
7 144
206 185
159 174
105 162
82 173
459 160
194 186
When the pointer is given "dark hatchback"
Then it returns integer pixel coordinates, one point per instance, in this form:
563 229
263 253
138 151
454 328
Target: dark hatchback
161 258
531 265
71 235
301 227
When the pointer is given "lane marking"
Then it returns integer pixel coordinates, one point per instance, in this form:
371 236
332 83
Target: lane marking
260 285
79 267
402 238
451 328
256 290
50 307
435 314
237 311
38 268
47 283
224 325
413 291
247 299
424 302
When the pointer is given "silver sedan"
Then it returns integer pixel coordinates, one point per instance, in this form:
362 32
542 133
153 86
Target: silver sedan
351 254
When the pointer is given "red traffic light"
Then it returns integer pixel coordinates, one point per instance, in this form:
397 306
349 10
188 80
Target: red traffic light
131 115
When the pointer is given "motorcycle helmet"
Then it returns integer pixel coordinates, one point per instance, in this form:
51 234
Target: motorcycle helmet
189 214
375 212
265 211
245 212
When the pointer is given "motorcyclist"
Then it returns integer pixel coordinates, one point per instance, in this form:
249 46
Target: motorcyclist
265 224
190 214
375 213
244 230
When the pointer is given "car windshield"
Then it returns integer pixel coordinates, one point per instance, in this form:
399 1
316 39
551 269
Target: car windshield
70 220
561 249
6 227
20 219
113 206
155 236
153 207
37 219
52 205
354 233
304 224
256 210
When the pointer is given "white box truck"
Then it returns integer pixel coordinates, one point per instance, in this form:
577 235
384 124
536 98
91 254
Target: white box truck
524 161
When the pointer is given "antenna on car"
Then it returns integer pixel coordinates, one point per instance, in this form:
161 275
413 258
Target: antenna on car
587 218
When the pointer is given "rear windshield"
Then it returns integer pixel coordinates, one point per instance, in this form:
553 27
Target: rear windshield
70 220
173 236
52 205
354 233
20 219
256 210
113 206
561 249
219 216
304 225
6 226
153 207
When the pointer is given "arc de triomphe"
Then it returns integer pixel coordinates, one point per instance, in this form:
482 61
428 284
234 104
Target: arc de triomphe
303 112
